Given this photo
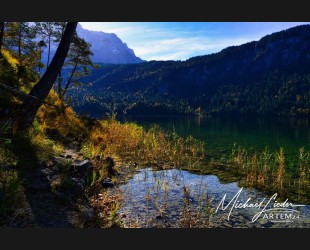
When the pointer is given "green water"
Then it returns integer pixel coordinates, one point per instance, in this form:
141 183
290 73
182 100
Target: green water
221 133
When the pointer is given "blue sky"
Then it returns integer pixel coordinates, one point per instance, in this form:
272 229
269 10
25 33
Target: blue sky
182 40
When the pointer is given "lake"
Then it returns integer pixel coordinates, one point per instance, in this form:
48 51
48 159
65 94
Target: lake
221 133
157 199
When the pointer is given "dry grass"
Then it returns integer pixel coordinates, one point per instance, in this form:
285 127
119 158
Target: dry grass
60 118
274 172
131 142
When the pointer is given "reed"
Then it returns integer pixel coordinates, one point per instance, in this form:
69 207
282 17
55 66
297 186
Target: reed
274 172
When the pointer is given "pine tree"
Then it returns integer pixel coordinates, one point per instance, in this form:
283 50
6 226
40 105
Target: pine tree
25 114
79 60
19 40
50 32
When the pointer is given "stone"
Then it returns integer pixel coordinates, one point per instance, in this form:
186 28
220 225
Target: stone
109 162
106 183
250 224
43 164
173 213
82 167
122 215
226 224
58 161
79 184
158 217
88 213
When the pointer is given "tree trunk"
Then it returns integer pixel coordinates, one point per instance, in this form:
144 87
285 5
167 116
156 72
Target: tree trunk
69 81
49 51
20 42
19 53
26 113
1 34
40 61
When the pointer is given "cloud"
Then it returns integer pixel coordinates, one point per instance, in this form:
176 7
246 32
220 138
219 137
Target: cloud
183 48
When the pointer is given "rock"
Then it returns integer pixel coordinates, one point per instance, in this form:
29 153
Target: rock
158 217
226 224
262 221
88 213
47 171
83 167
68 156
173 213
57 161
249 224
109 162
81 163
43 164
106 183
78 183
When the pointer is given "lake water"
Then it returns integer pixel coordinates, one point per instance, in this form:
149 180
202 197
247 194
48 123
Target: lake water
156 199
221 133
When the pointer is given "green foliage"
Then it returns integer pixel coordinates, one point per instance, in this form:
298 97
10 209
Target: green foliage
79 60
19 40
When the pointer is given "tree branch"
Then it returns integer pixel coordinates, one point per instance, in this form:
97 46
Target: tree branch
22 95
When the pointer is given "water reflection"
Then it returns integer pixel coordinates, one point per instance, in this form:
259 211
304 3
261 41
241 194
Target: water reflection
157 198
220 133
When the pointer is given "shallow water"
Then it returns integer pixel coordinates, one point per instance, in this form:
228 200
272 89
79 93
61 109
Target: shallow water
157 199
221 133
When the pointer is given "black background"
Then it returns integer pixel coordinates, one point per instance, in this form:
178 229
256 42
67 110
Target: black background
111 239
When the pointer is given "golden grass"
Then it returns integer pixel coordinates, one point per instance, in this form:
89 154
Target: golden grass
274 172
59 117
131 142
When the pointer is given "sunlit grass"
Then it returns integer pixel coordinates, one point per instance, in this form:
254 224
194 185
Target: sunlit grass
274 172
131 142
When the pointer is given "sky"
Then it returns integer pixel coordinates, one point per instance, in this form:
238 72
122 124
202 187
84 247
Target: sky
183 40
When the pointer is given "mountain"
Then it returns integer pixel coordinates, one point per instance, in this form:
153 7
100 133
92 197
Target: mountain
269 76
108 48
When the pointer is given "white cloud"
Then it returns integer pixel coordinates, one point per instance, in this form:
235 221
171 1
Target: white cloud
182 48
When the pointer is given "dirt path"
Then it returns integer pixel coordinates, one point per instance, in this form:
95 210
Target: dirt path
45 204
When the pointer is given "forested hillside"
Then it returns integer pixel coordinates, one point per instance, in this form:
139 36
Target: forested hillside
269 76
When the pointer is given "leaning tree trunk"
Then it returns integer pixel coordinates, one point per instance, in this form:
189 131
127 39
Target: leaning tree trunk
26 113
1 34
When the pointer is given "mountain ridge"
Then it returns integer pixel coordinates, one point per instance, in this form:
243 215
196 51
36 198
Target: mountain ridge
255 77
108 47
